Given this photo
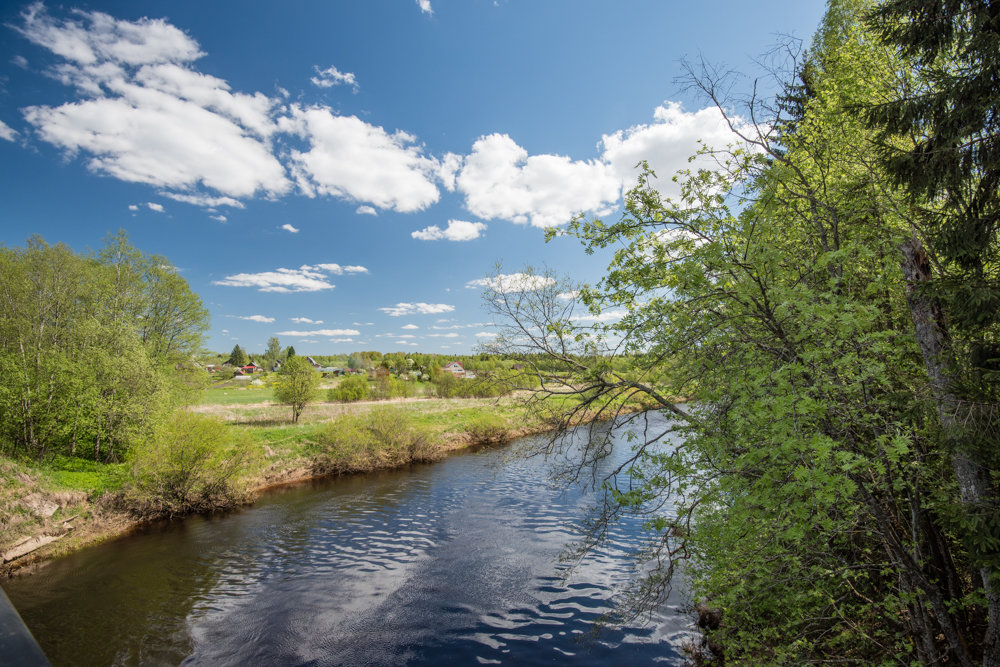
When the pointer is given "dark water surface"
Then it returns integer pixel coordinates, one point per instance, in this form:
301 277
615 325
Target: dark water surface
449 563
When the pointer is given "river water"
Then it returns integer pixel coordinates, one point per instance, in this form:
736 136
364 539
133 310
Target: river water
447 563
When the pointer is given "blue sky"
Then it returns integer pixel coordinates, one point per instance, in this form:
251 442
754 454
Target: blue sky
339 174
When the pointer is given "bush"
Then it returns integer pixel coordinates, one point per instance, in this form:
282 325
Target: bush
191 464
349 389
390 387
449 386
488 429
380 438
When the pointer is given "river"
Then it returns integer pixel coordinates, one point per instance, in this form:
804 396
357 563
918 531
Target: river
453 562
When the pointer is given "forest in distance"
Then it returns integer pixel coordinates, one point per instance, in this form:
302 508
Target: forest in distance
818 316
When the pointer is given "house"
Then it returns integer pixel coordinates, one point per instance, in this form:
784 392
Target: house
313 362
455 368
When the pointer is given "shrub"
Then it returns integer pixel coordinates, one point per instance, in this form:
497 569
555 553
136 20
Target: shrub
191 464
390 387
449 386
380 438
488 429
349 389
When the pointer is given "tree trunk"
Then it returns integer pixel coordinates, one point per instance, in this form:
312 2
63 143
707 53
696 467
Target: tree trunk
935 346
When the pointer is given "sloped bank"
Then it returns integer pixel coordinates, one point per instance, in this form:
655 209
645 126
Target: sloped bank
54 521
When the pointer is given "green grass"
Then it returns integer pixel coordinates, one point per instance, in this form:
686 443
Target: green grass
237 395
74 474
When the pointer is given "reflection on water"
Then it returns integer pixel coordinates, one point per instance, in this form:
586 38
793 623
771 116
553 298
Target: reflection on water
447 562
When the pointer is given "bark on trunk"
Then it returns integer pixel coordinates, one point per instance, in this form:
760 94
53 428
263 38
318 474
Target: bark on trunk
935 346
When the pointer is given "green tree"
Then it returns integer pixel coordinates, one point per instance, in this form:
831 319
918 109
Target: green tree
296 386
273 352
88 347
811 482
237 357
941 142
289 352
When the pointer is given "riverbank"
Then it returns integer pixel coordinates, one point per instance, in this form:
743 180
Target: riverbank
48 510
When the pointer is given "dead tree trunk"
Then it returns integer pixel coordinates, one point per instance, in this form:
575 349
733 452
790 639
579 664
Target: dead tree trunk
973 478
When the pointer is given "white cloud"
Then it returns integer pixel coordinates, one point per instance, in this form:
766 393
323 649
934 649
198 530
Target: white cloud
402 335
568 296
341 340
603 317
425 6
500 180
147 116
458 230
666 143
7 132
153 206
133 207
306 278
288 228
204 200
321 332
351 159
366 210
447 335
279 280
485 334
512 282
401 309
337 269
219 218
410 327
331 76
305 320
256 318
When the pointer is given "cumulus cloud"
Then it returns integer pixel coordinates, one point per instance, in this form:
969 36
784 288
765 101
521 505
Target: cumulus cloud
341 340
7 132
366 210
568 296
512 282
321 332
457 230
219 218
666 144
500 180
447 335
410 327
331 76
337 269
402 335
306 278
153 206
485 334
425 6
146 115
305 320
133 207
351 159
280 280
401 309
288 228
256 318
